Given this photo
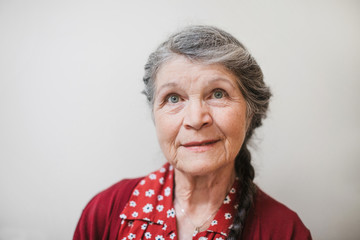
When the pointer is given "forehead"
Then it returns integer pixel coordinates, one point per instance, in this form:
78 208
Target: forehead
181 70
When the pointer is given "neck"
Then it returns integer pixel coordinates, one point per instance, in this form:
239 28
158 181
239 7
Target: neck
201 196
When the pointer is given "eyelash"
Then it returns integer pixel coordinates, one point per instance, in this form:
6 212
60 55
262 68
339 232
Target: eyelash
225 94
167 97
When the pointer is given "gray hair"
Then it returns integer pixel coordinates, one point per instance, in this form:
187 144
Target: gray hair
210 45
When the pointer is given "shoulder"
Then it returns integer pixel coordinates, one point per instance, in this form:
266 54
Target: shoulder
99 212
273 220
115 193
269 208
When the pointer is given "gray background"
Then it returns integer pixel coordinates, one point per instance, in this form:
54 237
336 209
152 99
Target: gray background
73 121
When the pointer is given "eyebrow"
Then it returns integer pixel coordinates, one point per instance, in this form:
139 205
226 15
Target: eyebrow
225 80
166 85
175 84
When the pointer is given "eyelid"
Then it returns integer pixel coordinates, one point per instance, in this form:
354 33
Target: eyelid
220 89
167 97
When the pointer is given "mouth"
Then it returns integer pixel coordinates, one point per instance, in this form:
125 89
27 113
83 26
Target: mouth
199 144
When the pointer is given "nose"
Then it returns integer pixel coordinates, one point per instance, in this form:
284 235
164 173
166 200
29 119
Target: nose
197 115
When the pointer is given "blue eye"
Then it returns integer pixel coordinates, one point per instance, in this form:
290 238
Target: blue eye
218 94
173 98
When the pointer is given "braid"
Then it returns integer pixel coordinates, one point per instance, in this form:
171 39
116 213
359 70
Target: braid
210 45
245 172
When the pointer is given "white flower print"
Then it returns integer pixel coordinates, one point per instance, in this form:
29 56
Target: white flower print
124 238
148 208
149 193
219 238
131 236
227 215
167 191
236 206
159 208
203 238
122 222
227 200
143 227
159 237
132 204
147 235
136 192
160 197
170 213
171 167
162 170
222 233
123 216
232 190
164 227
135 214
130 223
142 182
152 176
172 235
161 222
161 181
213 223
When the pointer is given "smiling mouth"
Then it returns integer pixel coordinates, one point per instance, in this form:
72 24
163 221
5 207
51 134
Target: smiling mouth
199 144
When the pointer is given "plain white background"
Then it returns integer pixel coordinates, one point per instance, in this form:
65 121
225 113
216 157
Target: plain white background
73 120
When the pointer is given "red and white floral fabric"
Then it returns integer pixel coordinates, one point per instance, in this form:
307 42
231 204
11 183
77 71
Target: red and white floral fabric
150 213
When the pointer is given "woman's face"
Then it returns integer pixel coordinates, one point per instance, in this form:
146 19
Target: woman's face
200 116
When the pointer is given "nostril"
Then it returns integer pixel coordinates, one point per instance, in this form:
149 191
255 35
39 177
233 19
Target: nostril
197 122
197 115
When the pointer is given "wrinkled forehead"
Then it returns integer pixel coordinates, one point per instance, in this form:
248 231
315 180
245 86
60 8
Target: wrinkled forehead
182 70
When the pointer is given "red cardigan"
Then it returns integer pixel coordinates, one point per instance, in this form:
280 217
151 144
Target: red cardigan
268 219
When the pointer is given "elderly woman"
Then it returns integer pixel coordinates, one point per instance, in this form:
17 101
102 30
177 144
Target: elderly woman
207 97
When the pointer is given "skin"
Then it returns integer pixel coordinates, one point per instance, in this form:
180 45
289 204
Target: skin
200 119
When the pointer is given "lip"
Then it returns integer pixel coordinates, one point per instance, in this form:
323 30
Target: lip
200 146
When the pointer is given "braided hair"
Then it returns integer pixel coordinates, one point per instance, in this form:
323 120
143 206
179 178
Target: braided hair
210 45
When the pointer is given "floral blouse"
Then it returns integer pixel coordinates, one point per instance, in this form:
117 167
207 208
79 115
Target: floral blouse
150 213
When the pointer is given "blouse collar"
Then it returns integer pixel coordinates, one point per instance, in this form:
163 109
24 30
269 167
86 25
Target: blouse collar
152 201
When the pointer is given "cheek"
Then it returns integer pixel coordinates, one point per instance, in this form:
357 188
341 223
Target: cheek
166 128
233 126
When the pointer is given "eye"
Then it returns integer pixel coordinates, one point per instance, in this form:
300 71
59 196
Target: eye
218 94
173 98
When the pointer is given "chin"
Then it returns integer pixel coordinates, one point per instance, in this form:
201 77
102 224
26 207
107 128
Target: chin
198 167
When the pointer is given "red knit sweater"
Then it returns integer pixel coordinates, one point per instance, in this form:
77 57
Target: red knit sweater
268 219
